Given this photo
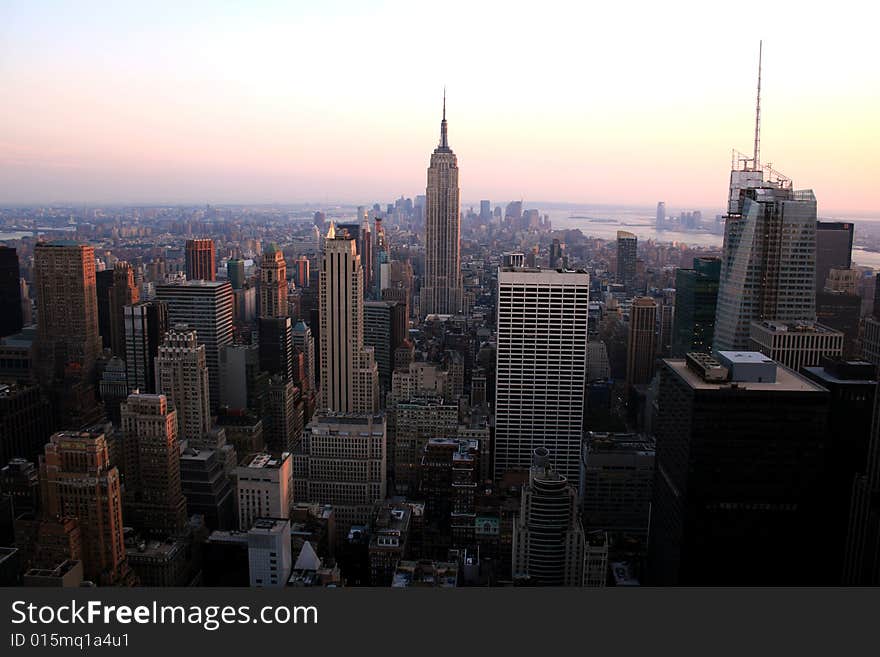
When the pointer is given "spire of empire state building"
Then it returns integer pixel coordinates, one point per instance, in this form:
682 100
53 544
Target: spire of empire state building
444 143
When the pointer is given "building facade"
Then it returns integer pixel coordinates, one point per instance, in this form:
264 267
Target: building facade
768 268
182 376
349 377
548 538
200 260
541 367
206 306
154 501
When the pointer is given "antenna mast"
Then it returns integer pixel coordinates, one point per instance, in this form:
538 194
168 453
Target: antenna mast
757 153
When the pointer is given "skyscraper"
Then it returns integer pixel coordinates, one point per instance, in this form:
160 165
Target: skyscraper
123 293
235 273
485 211
341 461
103 292
284 416
627 247
862 557
853 386
740 458
768 267
696 297
834 241
182 375
360 232
276 345
642 341
113 387
301 271
238 364
10 292
441 291
154 501
548 538
349 377
796 345
617 483
200 264
768 264
273 283
78 481
661 215
68 343
145 325
25 421
541 367
206 307
304 343
385 326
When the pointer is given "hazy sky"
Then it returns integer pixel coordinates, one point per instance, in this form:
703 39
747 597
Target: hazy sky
612 102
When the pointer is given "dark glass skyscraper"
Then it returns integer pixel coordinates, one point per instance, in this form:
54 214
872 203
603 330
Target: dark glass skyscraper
834 241
852 386
740 458
696 295
10 292
627 247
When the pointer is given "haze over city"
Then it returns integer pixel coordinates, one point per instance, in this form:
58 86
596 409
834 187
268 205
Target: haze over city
228 103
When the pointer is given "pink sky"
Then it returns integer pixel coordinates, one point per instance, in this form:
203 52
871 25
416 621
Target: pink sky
627 105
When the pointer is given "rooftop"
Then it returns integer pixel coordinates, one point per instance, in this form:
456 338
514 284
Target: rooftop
270 526
425 573
745 357
263 460
786 379
794 327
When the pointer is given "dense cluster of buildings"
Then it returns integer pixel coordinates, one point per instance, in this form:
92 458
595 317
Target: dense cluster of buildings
424 396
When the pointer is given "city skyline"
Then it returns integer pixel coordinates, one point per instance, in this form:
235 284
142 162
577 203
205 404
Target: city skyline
408 392
238 121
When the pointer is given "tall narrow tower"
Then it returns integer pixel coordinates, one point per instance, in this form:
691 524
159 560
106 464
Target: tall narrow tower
349 378
123 293
441 289
642 341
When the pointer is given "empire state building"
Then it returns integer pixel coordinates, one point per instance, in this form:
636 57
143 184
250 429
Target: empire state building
441 291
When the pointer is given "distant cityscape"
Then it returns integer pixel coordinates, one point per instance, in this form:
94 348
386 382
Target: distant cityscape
413 393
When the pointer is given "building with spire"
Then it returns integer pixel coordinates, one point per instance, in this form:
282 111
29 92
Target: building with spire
349 377
441 291
768 265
